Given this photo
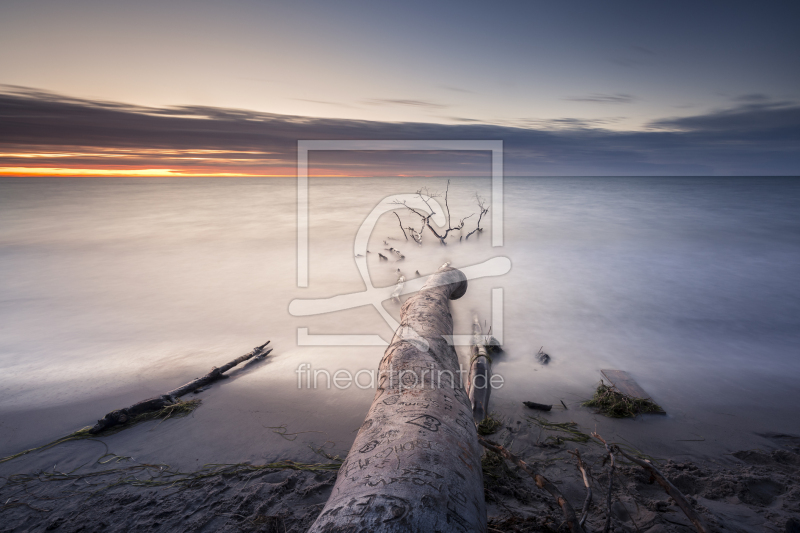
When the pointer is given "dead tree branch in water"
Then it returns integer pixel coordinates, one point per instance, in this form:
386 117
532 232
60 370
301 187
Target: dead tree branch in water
425 195
401 224
446 206
483 210
122 416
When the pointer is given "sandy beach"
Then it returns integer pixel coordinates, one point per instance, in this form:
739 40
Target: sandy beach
143 479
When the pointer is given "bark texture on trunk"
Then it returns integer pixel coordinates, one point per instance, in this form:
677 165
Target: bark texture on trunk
415 464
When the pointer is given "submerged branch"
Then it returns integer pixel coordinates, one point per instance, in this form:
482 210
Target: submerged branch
401 224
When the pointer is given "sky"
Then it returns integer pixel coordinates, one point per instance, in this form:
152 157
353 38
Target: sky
227 88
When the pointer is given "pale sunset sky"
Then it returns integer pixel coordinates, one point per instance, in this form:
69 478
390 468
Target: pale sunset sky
212 88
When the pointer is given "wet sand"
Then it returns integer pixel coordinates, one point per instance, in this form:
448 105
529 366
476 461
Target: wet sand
105 484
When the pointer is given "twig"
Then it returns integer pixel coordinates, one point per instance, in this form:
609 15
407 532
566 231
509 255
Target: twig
447 190
483 210
541 482
670 489
401 224
588 501
610 482
426 219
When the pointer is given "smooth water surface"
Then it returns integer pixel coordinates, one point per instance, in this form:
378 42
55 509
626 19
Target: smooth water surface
115 289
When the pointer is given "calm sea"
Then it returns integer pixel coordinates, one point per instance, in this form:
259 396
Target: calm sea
115 289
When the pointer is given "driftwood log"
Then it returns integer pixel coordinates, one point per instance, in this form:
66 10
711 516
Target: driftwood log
122 416
480 374
415 463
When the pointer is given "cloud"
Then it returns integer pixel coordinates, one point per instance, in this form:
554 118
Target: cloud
753 97
778 121
618 98
39 129
412 103
566 123
462 119
325 102
456 89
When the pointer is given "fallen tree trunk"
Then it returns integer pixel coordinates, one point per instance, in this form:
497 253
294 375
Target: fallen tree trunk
415 463
122 416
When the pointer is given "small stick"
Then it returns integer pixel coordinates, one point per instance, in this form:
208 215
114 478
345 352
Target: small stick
670 489
541 482
588 501
401 224
479 388
610 482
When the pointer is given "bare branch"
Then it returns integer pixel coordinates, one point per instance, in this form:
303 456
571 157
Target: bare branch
401 224
610 482
447 190
483 210
426 196
670 489
588 501
422 193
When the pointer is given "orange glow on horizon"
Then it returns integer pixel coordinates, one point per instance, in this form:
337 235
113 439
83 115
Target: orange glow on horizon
94 161
193 155
44 172
123 173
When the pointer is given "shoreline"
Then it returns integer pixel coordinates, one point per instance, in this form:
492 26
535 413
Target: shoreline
745 490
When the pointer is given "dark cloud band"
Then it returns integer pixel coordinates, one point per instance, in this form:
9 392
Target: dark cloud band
753 139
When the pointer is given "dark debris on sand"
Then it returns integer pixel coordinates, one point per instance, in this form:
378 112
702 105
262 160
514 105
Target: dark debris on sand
756 490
